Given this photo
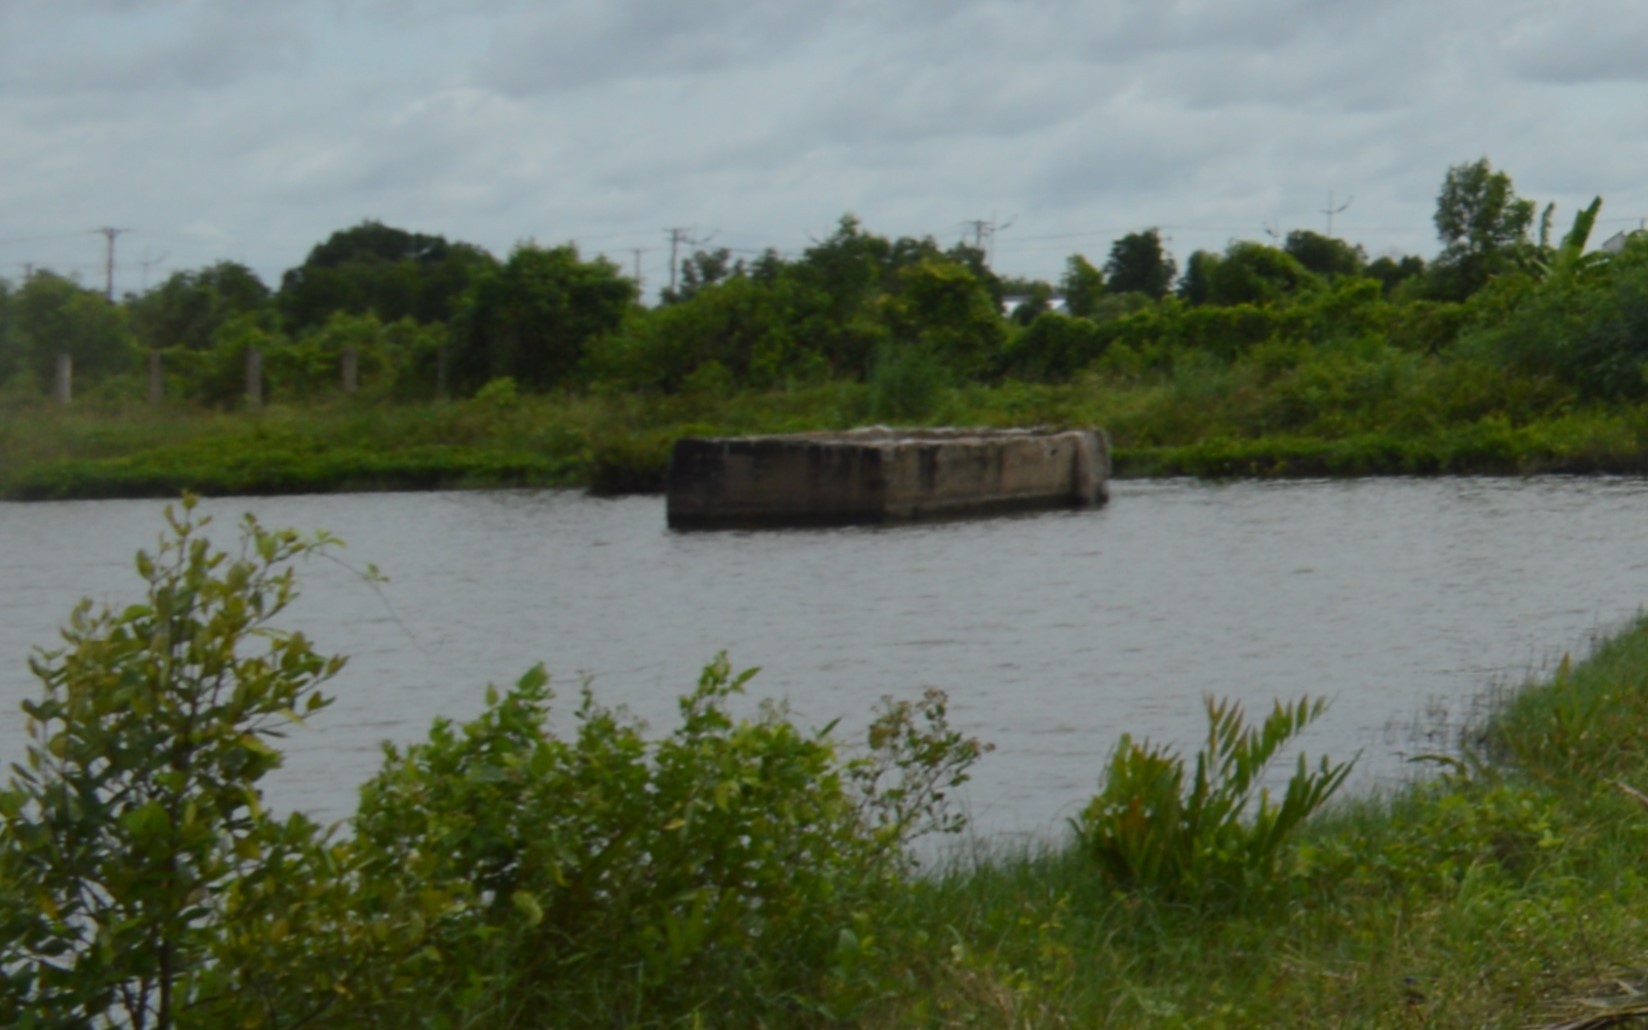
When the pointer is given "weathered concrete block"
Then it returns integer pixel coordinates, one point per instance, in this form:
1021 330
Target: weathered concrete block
880 474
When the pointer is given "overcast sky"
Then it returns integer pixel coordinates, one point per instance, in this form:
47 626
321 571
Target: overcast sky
221 129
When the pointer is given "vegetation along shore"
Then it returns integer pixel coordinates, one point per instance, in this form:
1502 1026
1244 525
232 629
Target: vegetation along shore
393 359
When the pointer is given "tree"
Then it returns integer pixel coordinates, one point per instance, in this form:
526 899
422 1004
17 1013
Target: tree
534 317
1324 255
703 269
1196 287
1082 286
1252 273
390 272
186 309
1482 224
942 307
1138 264
52 315
747 329
1393 271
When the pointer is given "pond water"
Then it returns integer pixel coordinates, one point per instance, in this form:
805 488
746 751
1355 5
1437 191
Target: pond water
1404 602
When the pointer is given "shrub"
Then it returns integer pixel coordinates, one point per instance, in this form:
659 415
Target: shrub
907 383
1217 836
138 805
610 873
495 872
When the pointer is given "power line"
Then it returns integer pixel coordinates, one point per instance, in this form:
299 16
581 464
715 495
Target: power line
146 263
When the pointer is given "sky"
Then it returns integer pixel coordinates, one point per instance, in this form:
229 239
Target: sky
208 130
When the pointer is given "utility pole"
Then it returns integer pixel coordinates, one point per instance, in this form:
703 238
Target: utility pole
1330 210
109 234
677 237
984 235
638 251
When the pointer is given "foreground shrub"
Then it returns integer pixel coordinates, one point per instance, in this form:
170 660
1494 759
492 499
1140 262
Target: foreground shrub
618 876
138 807
1220 834
495 873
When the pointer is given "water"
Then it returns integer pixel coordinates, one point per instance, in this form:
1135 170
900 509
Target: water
1401 601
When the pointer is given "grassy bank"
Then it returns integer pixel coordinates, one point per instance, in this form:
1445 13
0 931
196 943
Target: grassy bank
1508 891
1203 424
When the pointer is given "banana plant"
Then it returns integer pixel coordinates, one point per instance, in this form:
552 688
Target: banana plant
1568 263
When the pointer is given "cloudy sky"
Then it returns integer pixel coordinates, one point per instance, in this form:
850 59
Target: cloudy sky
222 129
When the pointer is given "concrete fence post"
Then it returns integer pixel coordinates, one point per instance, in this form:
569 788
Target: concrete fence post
63 386
254 378
351 371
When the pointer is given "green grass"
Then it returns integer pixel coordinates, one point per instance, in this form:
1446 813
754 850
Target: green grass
1203 419
1507 892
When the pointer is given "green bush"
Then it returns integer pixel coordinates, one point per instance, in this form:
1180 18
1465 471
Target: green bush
137 809
613 874
495 873
630 463
1218 836
907 384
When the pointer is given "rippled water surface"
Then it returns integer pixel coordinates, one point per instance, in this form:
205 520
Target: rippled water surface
1402 601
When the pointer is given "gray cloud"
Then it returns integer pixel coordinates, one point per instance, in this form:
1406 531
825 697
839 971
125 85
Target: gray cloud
252 132
142 48
1584 42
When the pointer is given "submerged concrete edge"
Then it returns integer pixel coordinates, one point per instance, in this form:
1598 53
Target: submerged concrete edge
882 474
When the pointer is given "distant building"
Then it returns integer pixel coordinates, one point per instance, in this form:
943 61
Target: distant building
1616 243
1013 302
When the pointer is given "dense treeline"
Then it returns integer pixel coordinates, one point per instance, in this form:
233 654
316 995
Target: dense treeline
1531 319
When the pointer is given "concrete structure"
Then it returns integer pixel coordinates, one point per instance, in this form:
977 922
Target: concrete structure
1617 242
880 474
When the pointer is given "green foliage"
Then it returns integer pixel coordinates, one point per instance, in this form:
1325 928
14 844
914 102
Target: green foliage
1580 727
1082 286
1252 273
311 366
1588 331
1055 347
909 383
378 269
494 872
1139 264
51 315
1484 226
138 806
749 329
536 316
189 307
1218 836
1324 255
614 876
1196 285
1392 272
950 312
630 462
